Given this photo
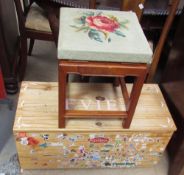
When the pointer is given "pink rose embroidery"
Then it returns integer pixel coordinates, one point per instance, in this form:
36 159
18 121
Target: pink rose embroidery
102 23
100 27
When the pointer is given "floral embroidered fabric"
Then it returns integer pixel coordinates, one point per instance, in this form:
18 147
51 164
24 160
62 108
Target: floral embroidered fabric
99 26
102 35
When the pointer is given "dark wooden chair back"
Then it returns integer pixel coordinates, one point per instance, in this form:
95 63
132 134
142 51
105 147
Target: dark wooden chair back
26 5
126 5
133 5
21 15
22 9
92 4
158 50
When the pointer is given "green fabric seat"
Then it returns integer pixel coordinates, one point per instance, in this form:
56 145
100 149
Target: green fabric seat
100 35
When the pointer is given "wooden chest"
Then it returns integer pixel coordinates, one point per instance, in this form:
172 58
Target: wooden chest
89 143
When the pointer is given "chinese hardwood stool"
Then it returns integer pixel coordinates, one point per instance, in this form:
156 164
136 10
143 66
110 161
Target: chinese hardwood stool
102 43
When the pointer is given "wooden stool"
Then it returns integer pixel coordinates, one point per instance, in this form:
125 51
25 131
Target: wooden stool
102 43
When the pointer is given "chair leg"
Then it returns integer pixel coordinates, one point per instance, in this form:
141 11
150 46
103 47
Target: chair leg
31 44
23 58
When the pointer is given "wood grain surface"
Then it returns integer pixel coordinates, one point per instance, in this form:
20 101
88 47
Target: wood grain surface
37 108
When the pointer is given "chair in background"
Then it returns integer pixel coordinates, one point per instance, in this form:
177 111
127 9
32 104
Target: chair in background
126 5
92 4
33 24
159 46
136 6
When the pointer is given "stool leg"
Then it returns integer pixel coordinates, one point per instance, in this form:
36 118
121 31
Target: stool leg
116 82
62 97
136 91
124 92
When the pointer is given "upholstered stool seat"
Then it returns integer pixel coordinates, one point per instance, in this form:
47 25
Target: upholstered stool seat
36 19
102 43
122 41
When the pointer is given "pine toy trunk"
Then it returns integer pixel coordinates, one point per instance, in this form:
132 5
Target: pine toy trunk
89 143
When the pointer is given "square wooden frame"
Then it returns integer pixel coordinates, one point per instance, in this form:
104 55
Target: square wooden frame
107 69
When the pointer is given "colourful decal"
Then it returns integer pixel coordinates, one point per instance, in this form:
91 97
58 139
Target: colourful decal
45 136
62 136
54 144
24 141
21 134
81 149
91 150
99 140
29 141
73 139
95 156
32 141
123 164
43 145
